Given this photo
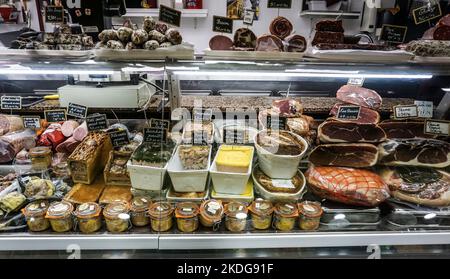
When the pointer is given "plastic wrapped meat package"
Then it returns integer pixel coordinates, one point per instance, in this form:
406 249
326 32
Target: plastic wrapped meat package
13 143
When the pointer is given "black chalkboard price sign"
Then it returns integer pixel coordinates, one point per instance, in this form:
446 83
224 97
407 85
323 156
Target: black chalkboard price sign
222 24
279 4
393 33
155 135
96 122
426 13
159 123
54 14
56 115
32 122
11 102
169 15
119 138
76 110
348 112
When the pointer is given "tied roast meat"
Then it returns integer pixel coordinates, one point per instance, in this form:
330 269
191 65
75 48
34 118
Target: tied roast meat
356 155
347 132
295 43
347 185
360 96
281 27
415 152
423 186
366 116
244 38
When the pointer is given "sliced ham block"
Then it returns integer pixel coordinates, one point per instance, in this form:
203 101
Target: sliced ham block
359 96
347 132
404 130
366 115
355 155
68 127
80 132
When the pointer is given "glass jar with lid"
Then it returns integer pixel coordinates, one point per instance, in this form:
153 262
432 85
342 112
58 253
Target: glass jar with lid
88 216
310 213
161 214
117 216
261 214
236 216
35 215
285 216
211 213
139 207
187 216
41 157
60 215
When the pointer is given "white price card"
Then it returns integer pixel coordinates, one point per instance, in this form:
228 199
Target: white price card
406 111
283 183
357 81
249 16
424 109
437 127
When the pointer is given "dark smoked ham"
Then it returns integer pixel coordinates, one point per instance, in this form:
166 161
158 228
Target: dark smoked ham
359 96
295 43
404 130
281 27
328 38
355 155
269 43
348 132
244 38
220 42
366 116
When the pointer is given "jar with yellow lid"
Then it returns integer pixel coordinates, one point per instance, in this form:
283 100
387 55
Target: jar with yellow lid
139 207
211 213
161 214
285 216
88 217
60 216
236 216
117 216
310 213
187 216
41 157
261 214
35 216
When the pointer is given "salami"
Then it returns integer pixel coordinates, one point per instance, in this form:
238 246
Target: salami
244 38
295 43
269 43
330 26
220 42
281 27
442 33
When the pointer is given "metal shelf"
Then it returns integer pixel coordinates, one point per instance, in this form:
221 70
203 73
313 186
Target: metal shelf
185 13
344 15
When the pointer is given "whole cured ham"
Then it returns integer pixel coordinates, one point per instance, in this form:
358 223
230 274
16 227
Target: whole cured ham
269 43
423 186
404 130
360 96
295 43
244 38
348 132
281 27
366 115
356 155
220 42
12 143
415 152
347 185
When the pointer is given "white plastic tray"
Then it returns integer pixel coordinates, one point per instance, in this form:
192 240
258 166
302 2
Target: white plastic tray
146 177
252 55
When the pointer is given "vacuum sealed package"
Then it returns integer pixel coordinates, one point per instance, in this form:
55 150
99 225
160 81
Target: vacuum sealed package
13 143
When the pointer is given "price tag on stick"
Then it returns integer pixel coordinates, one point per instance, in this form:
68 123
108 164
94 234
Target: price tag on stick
54 14
56 115
96 122
405 111
169 15
11 102
424 109
426 13
119 138
155 135
249 17
159 123
76 110
437 127
348 112
393 33
222 24
279 4
32 122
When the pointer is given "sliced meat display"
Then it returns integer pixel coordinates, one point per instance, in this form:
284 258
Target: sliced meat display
348 132
80 132
269 43
366 116
220 42
415 152
330 26
281 27
295 43
347 185
244 38
403 130
355 155
68 127
423 186
359 96
328 37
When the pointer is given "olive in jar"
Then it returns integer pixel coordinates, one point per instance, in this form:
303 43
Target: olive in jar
117 216
187 216
88 216
35 216
161 214
60 216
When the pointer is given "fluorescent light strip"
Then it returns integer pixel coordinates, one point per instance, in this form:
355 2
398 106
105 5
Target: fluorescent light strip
52 72
446 89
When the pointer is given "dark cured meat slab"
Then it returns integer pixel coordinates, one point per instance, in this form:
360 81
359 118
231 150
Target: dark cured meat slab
359 96
330 26
404 130
355 155
244 37
328 37
347 132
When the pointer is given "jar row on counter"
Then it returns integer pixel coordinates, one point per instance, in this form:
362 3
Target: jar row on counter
119 217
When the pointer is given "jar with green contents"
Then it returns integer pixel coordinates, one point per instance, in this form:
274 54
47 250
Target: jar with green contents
41 157
88 217
310 213
236 216
139 215
35 216
261 214
285 216
161 214
60 216
187 216
117 216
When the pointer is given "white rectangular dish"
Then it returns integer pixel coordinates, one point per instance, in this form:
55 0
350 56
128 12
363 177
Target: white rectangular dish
146 177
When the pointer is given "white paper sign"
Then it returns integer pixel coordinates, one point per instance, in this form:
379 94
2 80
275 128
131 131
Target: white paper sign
283 183
424 109
408 111
249 16
357 81
437 127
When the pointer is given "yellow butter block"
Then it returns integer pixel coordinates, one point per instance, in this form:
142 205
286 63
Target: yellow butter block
232 158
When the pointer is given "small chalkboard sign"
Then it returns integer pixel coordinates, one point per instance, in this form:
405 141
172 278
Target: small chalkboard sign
96 122
119 138
11 102
32 122
348 112
222 24
279 4
276 125
169 15
159 123
426 13
54 14
393 33
202 115
56 115
76 110
155 135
